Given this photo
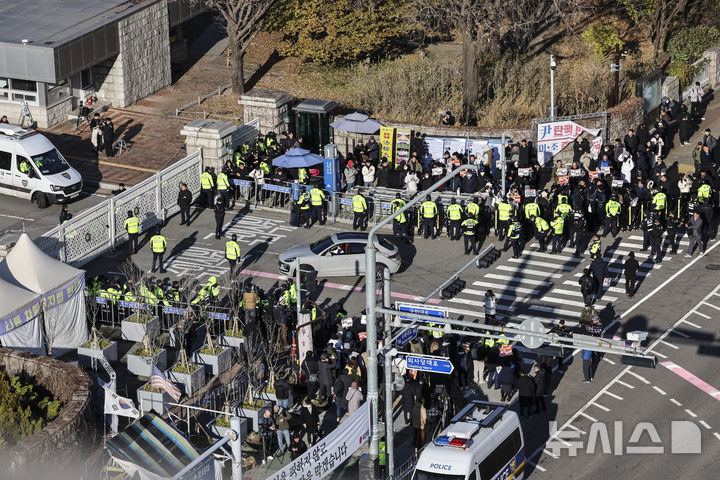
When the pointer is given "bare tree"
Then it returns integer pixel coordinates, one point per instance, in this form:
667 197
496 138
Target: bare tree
658 15
243 20
488 27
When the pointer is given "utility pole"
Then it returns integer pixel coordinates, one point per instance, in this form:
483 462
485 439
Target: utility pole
389 425
553 66
502 164
615 68
371 306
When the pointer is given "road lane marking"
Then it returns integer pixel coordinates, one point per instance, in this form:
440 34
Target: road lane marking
676 402
17 218
626 385
660 355
601 407
717 435
702 314
594 420
536 466
528 271
582 432
711 305
669 344
704 424
691 413
548 452
660 391
608 361
618 397
685 375
513 278
639 377
692 324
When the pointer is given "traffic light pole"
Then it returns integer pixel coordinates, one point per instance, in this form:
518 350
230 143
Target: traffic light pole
389 423
371 306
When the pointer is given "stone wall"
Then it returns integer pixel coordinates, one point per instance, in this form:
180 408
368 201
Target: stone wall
671 88
216 138
269 106
143 65
713 55
45 117
627 115
62 446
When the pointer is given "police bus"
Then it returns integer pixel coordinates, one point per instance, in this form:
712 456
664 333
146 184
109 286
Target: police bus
483 442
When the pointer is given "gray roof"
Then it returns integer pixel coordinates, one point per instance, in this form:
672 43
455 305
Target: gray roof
52 22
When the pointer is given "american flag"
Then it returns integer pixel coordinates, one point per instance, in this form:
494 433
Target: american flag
158 380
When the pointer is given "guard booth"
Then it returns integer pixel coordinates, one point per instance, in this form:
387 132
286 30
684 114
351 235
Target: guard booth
312 123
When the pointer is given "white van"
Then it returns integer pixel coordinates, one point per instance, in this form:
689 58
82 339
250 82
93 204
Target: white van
31 167
483 442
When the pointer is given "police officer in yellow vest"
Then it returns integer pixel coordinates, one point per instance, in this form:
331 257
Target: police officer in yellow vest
304 204
469 230
429 212
317 199
400 222
223 188
558 226
541 231
360 207
513 237
232 252
472 209
132 227
563 207
612 215
659 203
206 187
454 213
595 248
158 245
703 192
302 174
504 210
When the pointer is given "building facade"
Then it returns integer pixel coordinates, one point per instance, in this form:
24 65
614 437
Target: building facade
54 53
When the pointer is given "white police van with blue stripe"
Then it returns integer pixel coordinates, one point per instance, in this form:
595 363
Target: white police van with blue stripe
483 442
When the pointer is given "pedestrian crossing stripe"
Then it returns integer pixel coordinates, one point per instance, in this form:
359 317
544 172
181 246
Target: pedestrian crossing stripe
611 289
609 254
577 293
528 271
684 240
538 263
555 311
529 291
508 278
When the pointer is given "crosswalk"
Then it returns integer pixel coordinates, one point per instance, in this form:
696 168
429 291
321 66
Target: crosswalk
544 285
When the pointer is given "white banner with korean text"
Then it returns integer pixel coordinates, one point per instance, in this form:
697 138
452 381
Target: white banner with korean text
553 137
321 459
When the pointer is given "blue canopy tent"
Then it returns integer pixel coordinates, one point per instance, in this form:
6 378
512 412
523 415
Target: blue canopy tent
297 158
357 122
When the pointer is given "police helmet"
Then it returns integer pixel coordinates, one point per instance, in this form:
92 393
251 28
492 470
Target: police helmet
234 237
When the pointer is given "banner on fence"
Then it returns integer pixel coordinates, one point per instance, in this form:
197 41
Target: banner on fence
321 459
553 137
402 146
387 142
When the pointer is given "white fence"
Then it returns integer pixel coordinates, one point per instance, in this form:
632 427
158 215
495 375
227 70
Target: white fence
101 228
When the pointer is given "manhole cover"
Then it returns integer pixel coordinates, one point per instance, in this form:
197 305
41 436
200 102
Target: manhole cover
713 266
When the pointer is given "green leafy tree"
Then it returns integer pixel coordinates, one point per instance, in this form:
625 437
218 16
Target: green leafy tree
658 15
339 31
603 39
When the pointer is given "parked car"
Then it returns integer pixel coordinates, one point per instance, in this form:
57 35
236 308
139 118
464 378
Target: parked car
340 255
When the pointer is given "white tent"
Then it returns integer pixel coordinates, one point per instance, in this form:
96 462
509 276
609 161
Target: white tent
19 323
60 286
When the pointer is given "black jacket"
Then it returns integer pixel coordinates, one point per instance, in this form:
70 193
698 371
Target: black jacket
184 198
526 386
631 267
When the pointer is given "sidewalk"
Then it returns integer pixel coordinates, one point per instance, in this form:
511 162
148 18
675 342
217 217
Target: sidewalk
683 154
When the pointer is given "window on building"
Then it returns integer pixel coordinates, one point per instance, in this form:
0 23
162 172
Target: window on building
57 92
14 90
86 78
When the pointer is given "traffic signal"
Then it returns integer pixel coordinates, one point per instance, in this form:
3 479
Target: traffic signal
489 258
453 288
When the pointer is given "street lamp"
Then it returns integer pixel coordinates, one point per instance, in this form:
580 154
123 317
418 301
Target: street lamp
553 66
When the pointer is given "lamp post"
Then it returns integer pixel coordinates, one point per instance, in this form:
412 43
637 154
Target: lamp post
553 66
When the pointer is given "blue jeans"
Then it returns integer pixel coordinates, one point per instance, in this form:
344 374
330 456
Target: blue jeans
283 439
283 403
368 184
349 186
493 379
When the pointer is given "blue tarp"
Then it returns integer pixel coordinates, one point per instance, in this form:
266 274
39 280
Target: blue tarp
296 158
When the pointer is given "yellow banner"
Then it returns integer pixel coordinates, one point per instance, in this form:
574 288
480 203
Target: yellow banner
387 142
